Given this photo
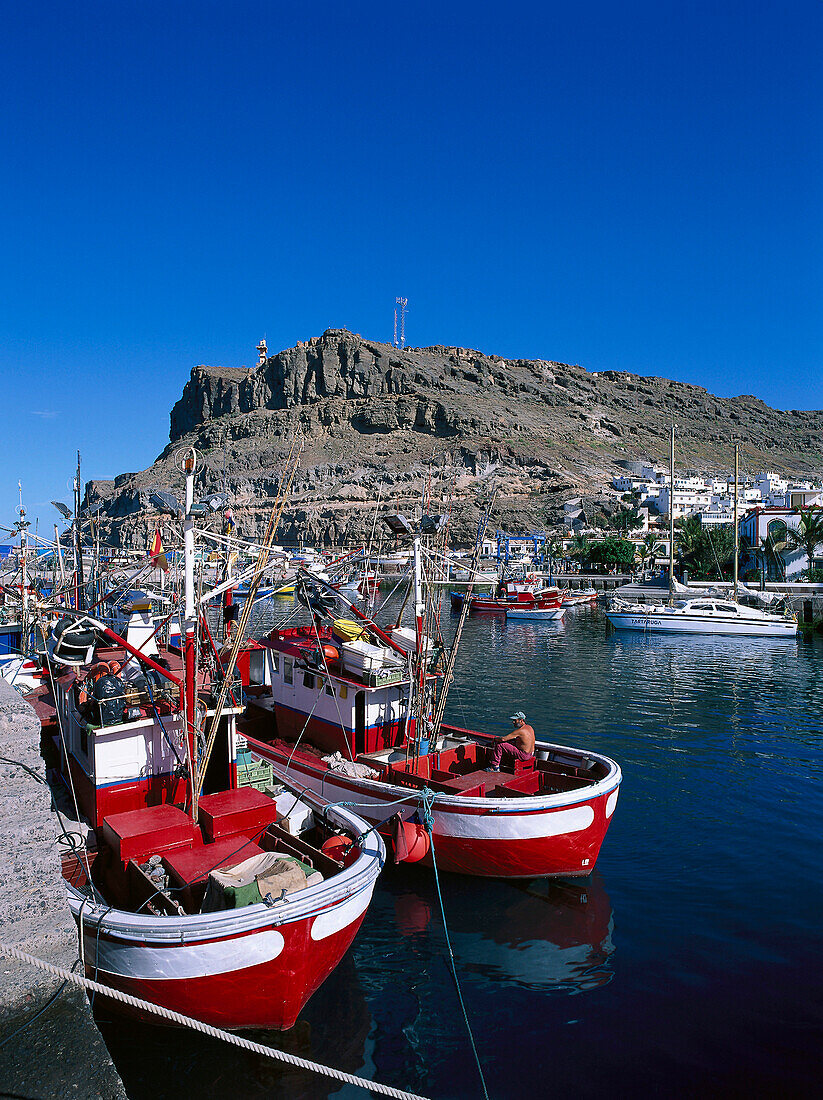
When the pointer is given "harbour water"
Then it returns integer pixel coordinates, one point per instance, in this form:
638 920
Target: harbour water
687 965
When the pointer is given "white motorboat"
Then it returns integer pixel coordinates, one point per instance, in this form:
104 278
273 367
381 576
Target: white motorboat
536 614
702 616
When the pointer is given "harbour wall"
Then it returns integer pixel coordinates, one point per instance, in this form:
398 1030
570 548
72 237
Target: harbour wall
58 1051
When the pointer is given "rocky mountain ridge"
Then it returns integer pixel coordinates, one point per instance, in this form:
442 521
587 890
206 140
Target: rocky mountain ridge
375 420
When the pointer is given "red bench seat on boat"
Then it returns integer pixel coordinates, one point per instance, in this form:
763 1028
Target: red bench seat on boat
527 783
245 811
137 834
521 767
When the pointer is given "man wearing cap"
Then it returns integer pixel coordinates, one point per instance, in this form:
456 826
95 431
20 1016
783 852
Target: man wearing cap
517 745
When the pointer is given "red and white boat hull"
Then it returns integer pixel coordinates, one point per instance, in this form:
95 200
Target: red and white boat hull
558 834
245 968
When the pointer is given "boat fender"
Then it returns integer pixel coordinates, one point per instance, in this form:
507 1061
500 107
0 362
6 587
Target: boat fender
410 841
338 848
71 642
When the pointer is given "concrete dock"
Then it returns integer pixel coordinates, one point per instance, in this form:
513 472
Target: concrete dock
61 1052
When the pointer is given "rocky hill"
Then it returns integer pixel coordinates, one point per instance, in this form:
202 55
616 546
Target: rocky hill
376 421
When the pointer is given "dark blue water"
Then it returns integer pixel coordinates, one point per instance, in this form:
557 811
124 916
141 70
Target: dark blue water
689 964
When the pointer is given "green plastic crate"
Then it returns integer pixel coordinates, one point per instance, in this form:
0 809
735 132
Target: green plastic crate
257 775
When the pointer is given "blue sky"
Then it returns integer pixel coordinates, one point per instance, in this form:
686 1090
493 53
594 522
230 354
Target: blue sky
632 186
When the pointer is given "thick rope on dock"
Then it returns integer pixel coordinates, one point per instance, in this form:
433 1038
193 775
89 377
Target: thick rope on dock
206 1029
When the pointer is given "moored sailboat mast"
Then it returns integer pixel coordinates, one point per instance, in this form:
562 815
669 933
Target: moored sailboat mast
671 517
736 532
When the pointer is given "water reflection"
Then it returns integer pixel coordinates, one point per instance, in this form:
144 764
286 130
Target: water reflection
549 936
162 1063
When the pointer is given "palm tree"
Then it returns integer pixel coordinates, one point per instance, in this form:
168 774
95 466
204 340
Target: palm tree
649 549
580 548
808 535
688 537
625 520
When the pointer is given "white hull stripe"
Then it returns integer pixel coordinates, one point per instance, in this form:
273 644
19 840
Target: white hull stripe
335 920
180 962
485 825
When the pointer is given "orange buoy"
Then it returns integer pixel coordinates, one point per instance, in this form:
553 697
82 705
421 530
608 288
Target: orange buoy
410 841
337 847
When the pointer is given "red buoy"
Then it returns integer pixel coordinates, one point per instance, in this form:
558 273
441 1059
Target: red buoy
410 842
337 847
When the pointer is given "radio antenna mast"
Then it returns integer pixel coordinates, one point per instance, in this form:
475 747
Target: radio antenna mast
402 302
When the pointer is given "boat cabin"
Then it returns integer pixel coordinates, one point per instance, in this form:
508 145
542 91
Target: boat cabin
350 696
125 745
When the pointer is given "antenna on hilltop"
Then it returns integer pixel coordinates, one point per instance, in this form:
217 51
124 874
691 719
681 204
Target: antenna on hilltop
402 302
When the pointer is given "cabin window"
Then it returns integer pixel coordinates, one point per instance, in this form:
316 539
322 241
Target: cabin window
288 670
329 689
256 667
344 691
275 662
308 680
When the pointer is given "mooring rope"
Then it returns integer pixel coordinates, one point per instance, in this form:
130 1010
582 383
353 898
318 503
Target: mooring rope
426 806
207 1029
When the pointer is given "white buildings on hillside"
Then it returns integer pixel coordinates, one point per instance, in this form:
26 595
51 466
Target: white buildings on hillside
712 499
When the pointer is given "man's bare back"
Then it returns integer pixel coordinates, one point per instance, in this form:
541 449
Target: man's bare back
522 735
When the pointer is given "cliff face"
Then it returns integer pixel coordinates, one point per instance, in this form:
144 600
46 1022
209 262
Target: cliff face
377 420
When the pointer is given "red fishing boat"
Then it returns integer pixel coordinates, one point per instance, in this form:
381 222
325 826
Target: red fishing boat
218 900
517 594
353 712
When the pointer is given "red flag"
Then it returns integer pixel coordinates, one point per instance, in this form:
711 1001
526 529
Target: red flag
156 552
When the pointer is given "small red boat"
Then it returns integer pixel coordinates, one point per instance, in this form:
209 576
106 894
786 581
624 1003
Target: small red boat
571 598
512 594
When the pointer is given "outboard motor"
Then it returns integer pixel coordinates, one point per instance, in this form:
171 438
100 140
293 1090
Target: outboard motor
72 642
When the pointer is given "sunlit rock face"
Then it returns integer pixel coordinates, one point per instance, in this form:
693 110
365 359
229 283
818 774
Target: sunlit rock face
449 424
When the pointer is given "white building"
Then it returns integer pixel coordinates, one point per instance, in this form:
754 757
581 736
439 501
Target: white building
770 485
687 501
716 517
770 523
797 497
629 484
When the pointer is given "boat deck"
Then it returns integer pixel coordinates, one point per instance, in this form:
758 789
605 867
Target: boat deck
459 769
